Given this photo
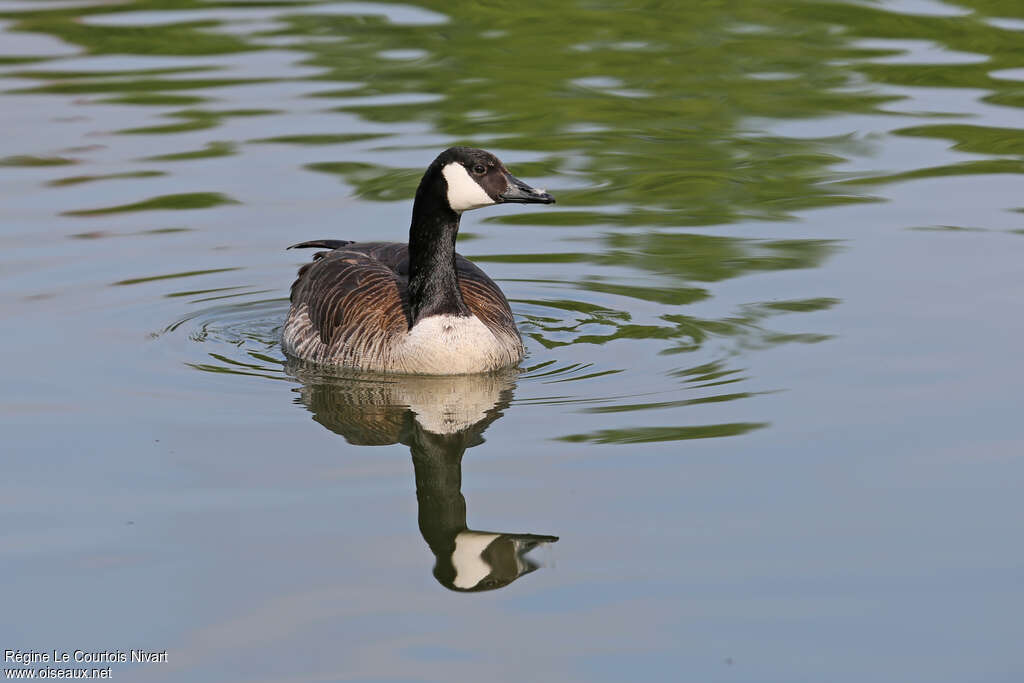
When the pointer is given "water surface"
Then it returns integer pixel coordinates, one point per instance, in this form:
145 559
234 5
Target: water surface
770 404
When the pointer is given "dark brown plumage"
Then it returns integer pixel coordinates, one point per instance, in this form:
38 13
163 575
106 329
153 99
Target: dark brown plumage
357 298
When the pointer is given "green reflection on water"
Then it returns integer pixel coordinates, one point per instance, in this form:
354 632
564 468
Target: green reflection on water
648 114
79 179
190 200
172 39
26 160
985 167
976 139
319 139
81 84
60 75
173 276
373 182
155 99
193 119
649 434
211 150
643 118
644 108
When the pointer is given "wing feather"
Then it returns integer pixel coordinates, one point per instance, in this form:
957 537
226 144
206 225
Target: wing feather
349 305
346 307
484 299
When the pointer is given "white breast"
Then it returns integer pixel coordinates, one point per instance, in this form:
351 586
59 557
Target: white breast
454 345
438 345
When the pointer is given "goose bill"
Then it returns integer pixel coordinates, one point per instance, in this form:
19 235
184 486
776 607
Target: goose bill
521 193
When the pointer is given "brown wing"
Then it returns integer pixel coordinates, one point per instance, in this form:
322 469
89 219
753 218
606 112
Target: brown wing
482 296
364 286
484 299
355 303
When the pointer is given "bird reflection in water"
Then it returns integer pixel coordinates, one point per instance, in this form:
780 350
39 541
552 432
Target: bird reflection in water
438 418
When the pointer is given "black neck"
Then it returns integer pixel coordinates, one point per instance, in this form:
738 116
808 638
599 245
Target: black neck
437 465
433 281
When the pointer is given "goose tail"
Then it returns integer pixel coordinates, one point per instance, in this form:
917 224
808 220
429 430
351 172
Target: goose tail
322 244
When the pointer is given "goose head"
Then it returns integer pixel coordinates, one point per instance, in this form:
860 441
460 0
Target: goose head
483 560
471 178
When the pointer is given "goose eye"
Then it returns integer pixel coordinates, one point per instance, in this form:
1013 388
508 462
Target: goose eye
479 169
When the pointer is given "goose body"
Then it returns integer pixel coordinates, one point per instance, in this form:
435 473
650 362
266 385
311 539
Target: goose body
350 307
416 308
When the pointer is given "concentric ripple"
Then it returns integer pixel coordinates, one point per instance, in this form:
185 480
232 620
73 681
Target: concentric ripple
237 338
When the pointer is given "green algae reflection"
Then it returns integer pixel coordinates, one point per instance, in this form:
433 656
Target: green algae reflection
647 120
176 202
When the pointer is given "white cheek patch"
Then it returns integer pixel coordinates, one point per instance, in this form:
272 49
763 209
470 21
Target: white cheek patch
470 567
463 192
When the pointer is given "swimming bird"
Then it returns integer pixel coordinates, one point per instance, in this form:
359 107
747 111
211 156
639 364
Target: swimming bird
416 308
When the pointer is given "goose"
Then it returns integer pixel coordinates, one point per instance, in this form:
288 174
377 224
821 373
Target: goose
416 308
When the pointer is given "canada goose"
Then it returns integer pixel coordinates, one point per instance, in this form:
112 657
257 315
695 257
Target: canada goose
416 308
438 418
